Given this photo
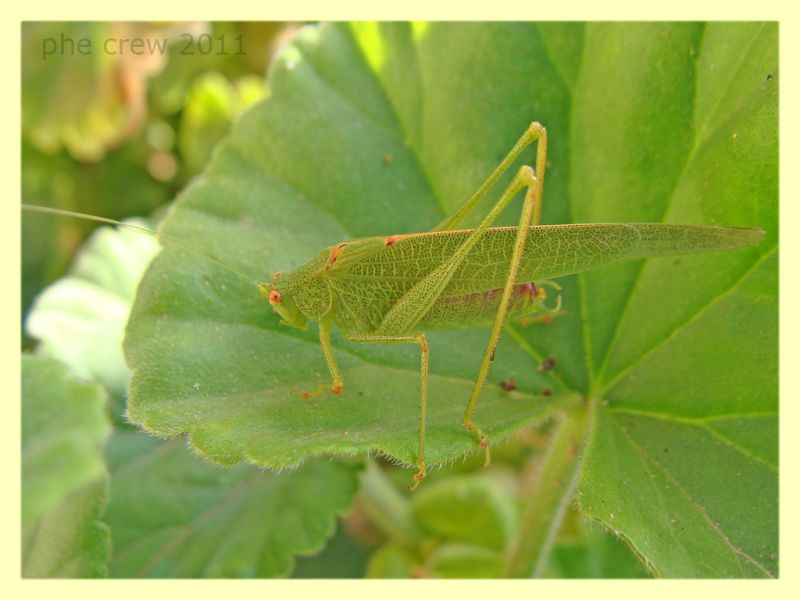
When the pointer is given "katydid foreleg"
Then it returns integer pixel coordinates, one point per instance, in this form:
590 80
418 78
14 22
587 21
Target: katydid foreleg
330 359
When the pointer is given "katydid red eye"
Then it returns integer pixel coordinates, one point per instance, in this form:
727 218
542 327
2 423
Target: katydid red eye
275 297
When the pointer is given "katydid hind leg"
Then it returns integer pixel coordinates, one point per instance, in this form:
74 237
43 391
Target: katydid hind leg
534 132
423 393
531 215
410 309
529 211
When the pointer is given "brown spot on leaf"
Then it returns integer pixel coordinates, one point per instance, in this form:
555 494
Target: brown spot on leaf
509 385
547 364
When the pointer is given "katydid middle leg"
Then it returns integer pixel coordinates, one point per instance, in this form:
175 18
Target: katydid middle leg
327 350
423 393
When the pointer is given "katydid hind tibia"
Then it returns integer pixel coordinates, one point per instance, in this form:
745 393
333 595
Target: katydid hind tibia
392 289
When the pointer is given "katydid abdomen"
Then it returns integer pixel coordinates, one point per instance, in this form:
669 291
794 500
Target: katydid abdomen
358 312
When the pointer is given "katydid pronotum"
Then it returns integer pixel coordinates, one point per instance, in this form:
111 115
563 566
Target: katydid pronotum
391 289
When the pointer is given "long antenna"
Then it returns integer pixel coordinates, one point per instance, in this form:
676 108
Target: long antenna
159 236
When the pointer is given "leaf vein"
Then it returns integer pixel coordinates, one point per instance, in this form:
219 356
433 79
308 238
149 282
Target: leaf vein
691 319
698 507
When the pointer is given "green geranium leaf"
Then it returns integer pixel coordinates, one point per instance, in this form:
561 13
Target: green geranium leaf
590 553
212 104
70 541
682 461
64 427
173 515
462 561
471 509
381 129
81 318
391 561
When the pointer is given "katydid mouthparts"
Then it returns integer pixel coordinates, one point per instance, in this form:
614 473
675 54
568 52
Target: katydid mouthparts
392 289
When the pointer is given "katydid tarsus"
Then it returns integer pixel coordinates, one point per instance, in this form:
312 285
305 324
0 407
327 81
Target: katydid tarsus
391 289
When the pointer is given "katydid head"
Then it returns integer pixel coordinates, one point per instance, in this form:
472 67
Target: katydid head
281 299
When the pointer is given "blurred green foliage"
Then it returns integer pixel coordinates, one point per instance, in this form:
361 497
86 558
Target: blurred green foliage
117 134
64 476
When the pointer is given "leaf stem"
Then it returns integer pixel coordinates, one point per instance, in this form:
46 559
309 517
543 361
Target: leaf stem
557 477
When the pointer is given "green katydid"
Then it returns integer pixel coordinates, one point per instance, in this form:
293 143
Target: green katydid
391 289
